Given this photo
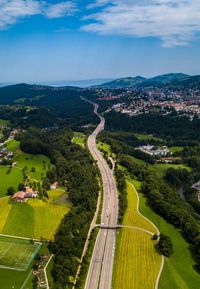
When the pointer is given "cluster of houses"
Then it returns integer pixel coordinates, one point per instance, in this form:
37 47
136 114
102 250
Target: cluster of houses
5 155
23 196
29 193
158 152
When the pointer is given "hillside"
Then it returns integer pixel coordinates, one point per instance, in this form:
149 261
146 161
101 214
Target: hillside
123 82
171 80
166 79
48 103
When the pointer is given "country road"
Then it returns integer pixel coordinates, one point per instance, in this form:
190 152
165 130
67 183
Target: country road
101 264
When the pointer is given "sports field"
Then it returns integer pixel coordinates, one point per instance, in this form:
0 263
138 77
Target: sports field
17 254
136 262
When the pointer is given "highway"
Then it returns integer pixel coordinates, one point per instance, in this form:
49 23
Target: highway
101 264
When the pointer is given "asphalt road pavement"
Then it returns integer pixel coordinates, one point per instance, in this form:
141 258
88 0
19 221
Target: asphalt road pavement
101 265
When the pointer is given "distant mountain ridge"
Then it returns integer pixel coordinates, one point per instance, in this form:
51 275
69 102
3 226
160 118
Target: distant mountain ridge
43 95
123 82
77 83
165 80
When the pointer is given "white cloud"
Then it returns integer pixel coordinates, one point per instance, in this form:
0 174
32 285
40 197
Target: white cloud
12 11
98 3
175 22
60 9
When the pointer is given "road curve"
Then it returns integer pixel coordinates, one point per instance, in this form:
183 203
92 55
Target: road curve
101 264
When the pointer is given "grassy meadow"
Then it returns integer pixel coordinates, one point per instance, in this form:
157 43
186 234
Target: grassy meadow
147 137
178 270
9 180
41 163
160 169
136 262
12 179
106 147
175 149
4 122
79 138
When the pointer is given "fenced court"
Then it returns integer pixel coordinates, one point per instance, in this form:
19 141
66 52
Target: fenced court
17 254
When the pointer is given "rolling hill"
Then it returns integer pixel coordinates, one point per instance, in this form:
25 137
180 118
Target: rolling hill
166 80
123 82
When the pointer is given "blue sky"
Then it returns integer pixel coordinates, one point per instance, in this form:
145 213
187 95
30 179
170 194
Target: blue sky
73 40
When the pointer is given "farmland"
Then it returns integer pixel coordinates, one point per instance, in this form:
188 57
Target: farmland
136 262
35 219
175 275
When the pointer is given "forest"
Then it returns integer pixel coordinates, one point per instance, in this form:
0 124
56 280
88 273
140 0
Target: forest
168 126
75 170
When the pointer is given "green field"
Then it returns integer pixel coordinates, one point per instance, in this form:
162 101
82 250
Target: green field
40 162
175 149
106 147
4 122
17 254
160 169
7 180
178 270
136 262
18 279
141 136
35 219
79 138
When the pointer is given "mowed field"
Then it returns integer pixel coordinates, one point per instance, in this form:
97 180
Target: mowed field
34 219
178 272
18 279
136 262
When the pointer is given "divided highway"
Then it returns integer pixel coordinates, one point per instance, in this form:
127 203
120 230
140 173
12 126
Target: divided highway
101 264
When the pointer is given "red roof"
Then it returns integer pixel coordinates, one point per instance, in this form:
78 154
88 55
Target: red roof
19 195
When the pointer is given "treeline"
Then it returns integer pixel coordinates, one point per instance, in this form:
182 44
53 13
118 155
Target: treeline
46 105
166 201
74 169
133 168
121 186
169 205
120 147
179 130
184 179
